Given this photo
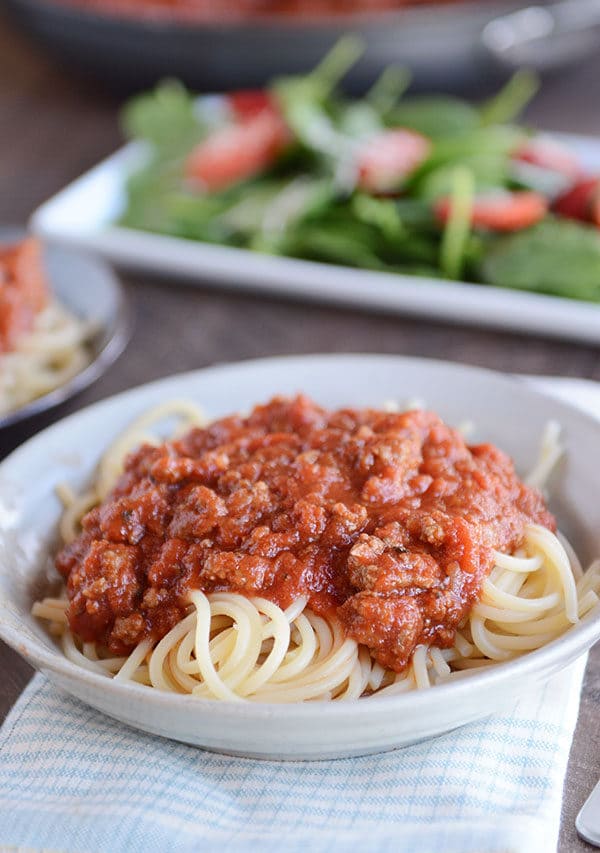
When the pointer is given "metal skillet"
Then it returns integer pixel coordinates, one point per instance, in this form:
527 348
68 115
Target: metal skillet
442 43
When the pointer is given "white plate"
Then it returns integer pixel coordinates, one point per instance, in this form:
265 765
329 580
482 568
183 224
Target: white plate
506 411
82 214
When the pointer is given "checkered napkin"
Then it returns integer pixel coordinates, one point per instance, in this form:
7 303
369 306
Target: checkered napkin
74 780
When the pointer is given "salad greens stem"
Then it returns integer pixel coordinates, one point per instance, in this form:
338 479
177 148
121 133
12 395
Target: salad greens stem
337 62
510 101
458 227
387 90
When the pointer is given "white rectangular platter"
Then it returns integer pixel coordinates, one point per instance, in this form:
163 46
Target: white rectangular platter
82 215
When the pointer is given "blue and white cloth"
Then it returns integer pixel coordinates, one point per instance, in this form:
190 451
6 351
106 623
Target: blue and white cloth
74 780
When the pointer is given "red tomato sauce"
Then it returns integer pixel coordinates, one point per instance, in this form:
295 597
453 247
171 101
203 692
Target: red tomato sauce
23 290
387 521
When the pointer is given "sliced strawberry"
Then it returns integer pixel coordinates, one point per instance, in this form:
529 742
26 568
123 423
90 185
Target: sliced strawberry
501 211
551 155
595 208
248 103
239 151
387 159
577 201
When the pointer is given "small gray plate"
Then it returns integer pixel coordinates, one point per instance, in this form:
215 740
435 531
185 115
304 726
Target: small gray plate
88 288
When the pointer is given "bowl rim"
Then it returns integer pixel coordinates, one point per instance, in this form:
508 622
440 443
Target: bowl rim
576 641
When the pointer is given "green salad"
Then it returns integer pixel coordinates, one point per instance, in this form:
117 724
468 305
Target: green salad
420 185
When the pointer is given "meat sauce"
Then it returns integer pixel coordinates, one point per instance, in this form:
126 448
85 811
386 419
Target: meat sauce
387 521
23 290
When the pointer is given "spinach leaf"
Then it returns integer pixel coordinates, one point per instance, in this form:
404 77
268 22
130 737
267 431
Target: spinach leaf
489 171
165 117
434 116
557 257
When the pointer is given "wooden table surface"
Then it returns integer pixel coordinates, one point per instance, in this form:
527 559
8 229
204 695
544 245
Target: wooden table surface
53 127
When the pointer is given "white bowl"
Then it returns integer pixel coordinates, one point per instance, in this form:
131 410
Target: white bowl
506 411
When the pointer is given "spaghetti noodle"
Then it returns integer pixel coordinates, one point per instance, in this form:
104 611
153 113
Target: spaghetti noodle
237 647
